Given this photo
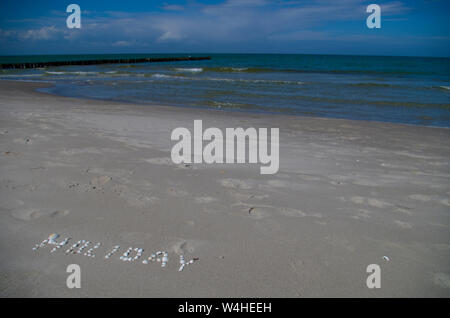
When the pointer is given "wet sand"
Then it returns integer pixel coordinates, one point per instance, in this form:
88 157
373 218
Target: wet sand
347 194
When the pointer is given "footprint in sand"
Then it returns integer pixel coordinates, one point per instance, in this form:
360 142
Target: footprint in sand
294 212
25 141
362 214
240 197
139 201
404 210
177 192
116 173
376 203
276 185
132 198
58 213
31 214
80 151
364 182
442 280
403 225
308 177
420 197
204 200
262 211
30 140
26 215
257 212
254 211
414 155
184 246
235 184
166 161
44 126
279 183
100 181
160 161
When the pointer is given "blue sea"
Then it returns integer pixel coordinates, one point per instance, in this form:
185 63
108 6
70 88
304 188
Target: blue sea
410 90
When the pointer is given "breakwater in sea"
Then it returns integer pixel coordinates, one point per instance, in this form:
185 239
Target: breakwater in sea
104 61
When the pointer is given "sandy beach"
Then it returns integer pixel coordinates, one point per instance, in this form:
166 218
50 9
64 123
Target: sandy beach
347 194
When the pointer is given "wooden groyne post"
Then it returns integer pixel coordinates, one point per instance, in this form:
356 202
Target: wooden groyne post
107 61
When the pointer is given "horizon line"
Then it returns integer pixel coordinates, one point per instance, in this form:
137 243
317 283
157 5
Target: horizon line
233 53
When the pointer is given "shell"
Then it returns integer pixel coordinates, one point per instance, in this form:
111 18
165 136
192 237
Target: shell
53 237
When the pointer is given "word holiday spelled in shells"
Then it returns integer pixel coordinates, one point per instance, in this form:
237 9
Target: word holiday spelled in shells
131 254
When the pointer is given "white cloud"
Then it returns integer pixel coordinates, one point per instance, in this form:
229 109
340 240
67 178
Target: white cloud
169 36
122 43
172 7
44 33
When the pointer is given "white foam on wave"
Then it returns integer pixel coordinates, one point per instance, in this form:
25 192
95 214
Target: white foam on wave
37 81
68 73
445 87
228 79
253 81
55 73
239 69
192 70
83 73
20 75
161 76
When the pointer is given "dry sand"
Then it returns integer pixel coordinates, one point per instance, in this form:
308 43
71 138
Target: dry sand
347 194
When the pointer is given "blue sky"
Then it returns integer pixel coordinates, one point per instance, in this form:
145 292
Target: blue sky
414 27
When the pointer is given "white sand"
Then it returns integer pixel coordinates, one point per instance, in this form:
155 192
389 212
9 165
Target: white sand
347 194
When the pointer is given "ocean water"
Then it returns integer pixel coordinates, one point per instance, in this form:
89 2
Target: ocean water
411 90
